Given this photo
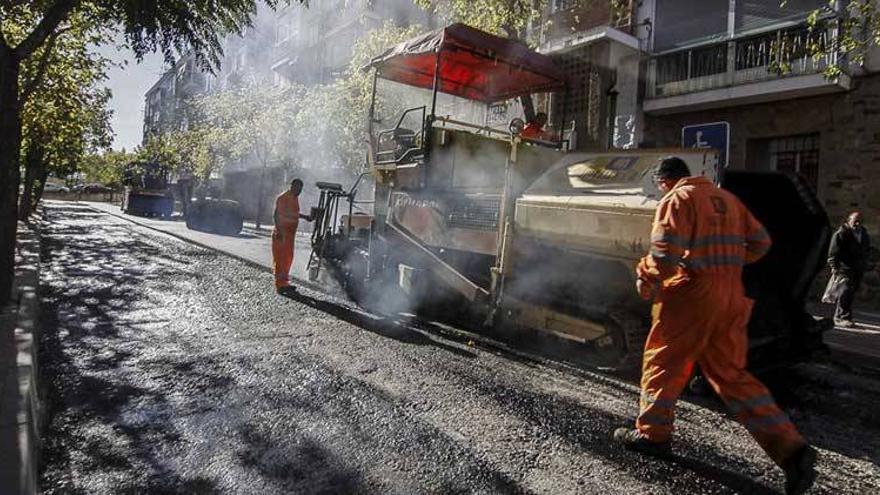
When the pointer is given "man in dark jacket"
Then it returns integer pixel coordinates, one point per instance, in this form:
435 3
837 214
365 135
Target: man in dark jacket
848 256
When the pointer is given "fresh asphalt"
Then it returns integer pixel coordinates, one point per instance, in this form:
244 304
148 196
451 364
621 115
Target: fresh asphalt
169 368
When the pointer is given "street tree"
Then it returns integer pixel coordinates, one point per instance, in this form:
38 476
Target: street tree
26 27
508 18
856 24
255 123
68 116
105 167
330 126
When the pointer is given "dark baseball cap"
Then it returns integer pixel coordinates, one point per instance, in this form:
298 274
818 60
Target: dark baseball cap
671 167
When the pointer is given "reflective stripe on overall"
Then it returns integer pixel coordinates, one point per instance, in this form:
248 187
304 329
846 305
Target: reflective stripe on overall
702 236
284 236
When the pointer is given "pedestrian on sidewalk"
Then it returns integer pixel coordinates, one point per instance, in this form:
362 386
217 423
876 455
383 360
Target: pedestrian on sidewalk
848 256
287 216
701 238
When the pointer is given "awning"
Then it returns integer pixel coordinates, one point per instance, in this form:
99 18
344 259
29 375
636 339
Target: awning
473 64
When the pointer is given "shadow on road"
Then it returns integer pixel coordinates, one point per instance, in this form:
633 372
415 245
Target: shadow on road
590 429
306 465
386 327
816 407
94 283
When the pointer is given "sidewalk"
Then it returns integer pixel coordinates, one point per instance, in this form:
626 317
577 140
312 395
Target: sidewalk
863 339
254 246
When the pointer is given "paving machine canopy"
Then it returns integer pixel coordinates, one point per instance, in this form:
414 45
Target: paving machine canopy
471 64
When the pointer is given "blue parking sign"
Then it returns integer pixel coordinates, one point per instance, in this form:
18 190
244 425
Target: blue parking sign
714 136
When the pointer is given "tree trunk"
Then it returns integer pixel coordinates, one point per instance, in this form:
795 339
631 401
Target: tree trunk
10 147
42 175
32 160
260 197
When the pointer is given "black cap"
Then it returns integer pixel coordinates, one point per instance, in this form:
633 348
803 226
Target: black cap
672 167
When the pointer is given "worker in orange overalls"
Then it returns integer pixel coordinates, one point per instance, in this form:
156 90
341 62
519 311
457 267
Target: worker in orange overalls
287 217
701 238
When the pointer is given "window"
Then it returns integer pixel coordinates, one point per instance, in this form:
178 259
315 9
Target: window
796 154
752 15
680 23
559 5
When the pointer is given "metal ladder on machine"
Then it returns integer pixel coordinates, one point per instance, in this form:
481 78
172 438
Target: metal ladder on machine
326 216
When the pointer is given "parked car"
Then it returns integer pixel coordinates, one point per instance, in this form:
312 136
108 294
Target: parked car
93 189
52 187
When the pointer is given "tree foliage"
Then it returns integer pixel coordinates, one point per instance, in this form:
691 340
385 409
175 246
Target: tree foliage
857 27
252 122
28 27
509 18
105 168
66 115
331 125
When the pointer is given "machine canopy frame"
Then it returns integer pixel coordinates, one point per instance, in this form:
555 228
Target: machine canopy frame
470 64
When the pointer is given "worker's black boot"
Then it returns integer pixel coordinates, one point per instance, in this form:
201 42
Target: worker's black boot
287 290
800 471
633 439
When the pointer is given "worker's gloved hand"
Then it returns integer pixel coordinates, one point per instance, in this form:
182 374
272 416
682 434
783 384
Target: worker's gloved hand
645 289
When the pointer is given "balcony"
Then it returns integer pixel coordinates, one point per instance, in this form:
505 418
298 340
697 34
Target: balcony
768 66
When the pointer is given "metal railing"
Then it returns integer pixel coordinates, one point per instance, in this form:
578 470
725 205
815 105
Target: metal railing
744 60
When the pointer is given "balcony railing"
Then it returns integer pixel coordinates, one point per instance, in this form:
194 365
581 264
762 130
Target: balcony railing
741 61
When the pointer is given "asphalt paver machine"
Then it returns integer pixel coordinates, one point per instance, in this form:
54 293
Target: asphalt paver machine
471 223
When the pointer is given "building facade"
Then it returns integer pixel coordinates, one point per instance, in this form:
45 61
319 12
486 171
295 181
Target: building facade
746 64
644 71
314 45
166 103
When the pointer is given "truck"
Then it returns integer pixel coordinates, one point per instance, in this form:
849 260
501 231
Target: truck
147 192
477 224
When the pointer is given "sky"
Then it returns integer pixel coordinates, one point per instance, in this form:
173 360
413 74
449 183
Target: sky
129 83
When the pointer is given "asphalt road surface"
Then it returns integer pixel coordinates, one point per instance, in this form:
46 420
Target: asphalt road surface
172 369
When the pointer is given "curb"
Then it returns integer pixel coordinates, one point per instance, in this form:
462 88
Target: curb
21 405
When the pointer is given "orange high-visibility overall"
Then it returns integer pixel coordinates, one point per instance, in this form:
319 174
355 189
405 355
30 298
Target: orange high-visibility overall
283 236
701 238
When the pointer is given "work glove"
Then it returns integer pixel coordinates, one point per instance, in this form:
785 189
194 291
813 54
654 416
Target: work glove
645 289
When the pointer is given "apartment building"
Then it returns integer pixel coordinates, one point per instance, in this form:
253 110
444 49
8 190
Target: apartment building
314 45
159 106
165 103
714 63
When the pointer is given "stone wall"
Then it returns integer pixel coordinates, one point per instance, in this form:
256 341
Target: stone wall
848 125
